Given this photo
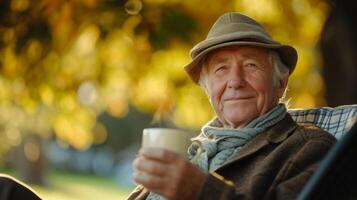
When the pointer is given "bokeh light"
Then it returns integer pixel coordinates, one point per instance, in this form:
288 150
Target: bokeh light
133 7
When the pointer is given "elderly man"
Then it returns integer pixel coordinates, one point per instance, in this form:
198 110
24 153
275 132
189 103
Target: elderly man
253 149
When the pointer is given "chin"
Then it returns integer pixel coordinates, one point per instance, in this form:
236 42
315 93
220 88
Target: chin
237 122
239 117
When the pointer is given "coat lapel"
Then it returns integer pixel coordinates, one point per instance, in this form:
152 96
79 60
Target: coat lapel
276 134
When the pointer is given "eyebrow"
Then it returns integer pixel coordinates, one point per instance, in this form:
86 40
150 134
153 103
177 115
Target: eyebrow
224 59
250 56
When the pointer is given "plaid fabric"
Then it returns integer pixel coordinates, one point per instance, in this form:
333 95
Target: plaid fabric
336 121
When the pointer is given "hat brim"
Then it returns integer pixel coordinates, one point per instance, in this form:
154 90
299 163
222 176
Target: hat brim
287 54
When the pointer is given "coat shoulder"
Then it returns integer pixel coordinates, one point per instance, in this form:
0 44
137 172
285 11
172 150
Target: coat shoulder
311 132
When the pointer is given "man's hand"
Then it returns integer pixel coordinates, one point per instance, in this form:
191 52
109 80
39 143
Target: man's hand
168 174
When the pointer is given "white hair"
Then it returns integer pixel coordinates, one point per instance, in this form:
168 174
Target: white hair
280 72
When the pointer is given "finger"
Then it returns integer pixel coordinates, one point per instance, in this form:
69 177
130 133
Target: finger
150 166
159 154
152 183
158 185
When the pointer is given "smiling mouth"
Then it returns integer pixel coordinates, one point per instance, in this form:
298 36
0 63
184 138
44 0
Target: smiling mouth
238 99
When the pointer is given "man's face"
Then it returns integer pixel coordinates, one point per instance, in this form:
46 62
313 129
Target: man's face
240 84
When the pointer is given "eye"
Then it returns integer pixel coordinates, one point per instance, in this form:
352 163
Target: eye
251 65
220 69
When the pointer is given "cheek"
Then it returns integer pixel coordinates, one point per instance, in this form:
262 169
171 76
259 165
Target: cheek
215 91
267 93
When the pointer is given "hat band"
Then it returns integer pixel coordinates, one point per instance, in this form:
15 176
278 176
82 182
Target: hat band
249 36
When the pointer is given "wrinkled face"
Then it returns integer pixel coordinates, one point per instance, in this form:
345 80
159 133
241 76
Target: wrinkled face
240 84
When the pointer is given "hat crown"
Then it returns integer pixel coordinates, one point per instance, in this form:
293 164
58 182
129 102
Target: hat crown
235 19
233 27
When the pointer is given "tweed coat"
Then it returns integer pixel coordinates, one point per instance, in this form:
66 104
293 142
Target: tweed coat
274 165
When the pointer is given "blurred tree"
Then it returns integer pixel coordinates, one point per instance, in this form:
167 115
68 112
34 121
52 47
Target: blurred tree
63 63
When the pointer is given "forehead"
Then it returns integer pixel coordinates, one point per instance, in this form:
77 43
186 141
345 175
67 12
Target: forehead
242 51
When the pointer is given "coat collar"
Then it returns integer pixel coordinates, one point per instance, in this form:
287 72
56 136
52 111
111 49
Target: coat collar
274 135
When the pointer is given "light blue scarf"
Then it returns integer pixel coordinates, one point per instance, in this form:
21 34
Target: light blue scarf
221 143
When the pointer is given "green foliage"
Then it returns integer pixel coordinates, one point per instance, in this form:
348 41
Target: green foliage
174 24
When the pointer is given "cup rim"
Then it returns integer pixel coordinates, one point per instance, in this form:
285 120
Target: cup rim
165 129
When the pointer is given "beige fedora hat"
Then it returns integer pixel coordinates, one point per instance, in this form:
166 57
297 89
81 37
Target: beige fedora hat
236 29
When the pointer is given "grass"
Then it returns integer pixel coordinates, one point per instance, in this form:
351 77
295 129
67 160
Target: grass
71 186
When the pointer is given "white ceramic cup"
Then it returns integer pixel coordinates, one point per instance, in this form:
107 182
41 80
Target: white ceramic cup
175 140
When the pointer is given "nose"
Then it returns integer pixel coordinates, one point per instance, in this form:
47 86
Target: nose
236 79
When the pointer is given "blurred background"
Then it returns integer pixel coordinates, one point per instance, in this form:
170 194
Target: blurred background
80 79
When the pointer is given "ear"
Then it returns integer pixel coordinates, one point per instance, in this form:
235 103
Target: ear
281 87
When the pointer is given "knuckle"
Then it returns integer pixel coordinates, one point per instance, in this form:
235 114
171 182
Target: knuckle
136 163
140 164
153 169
